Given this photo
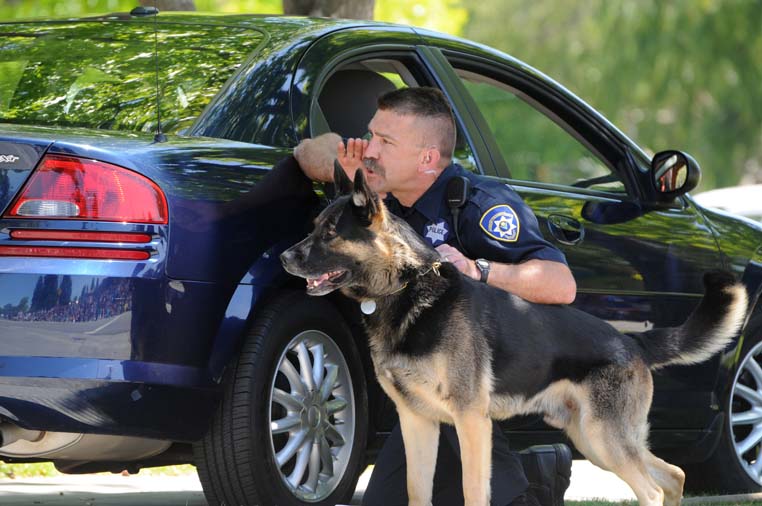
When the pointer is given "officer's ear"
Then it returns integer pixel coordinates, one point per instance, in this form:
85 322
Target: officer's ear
341 181
428 160
365 201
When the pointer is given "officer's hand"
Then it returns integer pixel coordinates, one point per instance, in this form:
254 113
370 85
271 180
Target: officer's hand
315 157
462 263
350 157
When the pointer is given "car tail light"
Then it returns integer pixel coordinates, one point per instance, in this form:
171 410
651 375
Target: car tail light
67 187
61 252
73 235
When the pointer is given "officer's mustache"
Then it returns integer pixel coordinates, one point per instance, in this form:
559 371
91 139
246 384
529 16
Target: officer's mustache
372 165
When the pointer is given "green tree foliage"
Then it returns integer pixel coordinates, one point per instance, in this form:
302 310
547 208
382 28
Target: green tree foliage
682 74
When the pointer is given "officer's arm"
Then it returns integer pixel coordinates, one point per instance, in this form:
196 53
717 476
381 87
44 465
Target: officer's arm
541 281
316 156
498 226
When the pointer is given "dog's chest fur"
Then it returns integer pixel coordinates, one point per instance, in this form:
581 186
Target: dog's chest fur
422 387
418 359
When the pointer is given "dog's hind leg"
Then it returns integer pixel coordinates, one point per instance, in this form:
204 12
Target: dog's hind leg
474 430
669 477
421 438
609 449
602 439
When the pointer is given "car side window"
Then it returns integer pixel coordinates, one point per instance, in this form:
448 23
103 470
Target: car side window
348 99
534 146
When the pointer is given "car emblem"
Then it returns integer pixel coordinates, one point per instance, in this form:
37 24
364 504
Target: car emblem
8 158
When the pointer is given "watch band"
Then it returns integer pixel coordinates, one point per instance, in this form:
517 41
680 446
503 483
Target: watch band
483 266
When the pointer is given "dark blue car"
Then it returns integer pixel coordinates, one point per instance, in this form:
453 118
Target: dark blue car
144 316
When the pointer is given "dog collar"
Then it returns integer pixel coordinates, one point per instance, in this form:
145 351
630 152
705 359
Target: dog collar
368 306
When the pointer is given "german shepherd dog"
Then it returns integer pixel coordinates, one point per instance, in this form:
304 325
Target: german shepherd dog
447 349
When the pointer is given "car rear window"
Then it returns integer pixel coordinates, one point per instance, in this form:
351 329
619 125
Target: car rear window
102 74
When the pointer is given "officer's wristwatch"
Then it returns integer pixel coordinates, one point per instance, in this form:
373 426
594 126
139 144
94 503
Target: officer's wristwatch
483 266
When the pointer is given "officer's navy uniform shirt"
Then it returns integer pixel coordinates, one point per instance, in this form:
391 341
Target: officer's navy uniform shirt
495 223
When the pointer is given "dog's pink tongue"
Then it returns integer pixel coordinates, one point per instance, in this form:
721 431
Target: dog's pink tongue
317 281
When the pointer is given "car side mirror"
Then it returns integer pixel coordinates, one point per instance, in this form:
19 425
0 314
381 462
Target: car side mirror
673 173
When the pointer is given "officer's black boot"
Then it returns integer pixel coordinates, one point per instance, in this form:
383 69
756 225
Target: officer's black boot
548 469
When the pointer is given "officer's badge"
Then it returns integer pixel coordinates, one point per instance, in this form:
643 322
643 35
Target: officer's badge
501 223
437 232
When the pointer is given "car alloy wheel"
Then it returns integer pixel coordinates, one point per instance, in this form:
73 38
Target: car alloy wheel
746 413
312 416
291 427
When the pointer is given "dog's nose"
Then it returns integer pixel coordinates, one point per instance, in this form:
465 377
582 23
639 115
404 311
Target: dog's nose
286 257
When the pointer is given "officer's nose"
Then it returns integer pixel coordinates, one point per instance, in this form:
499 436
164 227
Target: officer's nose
372 151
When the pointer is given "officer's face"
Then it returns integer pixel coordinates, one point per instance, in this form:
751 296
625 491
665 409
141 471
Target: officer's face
391 158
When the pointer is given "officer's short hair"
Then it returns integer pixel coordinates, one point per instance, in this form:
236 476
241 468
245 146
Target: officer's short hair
425 102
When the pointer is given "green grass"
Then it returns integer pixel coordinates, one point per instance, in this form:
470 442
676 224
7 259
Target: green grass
46 469
13 471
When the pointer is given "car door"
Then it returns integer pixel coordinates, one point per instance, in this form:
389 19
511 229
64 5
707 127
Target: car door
637 264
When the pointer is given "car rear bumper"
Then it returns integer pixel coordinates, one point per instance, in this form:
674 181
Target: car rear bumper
108 353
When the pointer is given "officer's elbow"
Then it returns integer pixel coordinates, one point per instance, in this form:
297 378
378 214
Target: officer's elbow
563 287
567 297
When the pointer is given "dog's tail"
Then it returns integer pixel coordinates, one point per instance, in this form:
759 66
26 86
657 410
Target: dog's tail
709 329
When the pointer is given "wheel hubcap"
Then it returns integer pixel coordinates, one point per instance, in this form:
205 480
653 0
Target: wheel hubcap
312 416
746 413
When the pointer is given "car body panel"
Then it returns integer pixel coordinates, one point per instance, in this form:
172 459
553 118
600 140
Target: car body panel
150 342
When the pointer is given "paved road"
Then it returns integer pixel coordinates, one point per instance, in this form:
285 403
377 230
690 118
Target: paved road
588 482
138 490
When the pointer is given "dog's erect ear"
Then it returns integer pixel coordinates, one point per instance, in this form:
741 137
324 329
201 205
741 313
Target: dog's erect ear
340 179
365 200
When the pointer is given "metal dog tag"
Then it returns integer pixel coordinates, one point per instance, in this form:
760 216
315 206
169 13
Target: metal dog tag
368 306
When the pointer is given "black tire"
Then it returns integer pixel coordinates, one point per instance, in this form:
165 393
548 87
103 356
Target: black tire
728 470
236 460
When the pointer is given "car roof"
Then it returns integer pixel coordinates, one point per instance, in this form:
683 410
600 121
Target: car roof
254 21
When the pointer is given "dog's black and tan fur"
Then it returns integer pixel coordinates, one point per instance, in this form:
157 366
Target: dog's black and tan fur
449 349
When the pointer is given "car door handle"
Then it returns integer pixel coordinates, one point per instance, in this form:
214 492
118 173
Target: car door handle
566 229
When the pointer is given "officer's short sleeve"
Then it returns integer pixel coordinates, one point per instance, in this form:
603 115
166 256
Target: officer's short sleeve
497 225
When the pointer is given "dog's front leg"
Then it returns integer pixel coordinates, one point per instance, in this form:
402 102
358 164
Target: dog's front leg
475 438
421 438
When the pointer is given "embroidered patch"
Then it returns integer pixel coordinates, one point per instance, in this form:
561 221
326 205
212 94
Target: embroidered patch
501 223
437 232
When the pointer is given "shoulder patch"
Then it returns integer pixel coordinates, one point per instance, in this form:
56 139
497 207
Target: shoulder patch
501 223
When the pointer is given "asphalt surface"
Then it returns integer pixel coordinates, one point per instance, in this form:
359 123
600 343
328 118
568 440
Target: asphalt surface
138 490
588 482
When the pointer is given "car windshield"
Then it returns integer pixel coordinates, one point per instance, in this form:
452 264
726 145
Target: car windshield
103 74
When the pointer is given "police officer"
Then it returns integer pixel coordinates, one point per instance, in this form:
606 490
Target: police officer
492 237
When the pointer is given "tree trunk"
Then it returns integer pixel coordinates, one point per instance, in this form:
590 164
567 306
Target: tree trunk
348 9
170 5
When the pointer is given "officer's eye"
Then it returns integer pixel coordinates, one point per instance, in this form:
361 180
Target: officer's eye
368 136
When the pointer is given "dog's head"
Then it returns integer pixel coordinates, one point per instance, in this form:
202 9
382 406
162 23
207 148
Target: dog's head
355 246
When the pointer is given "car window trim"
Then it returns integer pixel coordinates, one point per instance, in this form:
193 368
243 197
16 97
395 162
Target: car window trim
489 67
384 50
462 102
